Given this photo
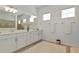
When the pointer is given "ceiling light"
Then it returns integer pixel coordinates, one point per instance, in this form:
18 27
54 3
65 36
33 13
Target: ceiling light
15 11
7 8
11 10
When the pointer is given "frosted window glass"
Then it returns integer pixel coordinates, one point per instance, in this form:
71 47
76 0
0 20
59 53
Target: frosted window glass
24 20
32 18
46 16
68 13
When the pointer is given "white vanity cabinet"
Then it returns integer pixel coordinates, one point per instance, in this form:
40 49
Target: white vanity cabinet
7 43
40 34
35 36
24 39
21 40
11 42
29 38
32 37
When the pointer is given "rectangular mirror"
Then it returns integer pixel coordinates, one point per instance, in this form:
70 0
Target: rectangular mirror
7 19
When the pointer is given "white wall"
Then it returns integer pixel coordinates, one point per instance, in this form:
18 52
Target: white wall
25 9
55 28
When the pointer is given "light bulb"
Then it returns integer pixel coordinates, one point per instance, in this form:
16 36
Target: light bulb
15 11
7 8
11 10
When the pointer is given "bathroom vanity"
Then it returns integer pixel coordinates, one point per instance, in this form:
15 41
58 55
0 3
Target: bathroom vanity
12 41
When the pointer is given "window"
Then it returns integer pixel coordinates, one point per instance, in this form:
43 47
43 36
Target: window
24 20
46 16
68 13
32 18
19 22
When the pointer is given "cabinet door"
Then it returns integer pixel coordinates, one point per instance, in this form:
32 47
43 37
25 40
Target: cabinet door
31 37
35 35
21 40
7 44
27 38
40 35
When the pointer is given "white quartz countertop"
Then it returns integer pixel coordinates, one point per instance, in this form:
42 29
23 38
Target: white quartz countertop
13 32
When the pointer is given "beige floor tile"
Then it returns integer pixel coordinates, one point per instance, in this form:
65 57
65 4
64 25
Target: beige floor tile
74 50
45 47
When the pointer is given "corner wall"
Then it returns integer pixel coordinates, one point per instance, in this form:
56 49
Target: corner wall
57 28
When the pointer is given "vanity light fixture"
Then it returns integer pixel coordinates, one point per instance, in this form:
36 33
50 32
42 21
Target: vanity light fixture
7 8
15 11
10 9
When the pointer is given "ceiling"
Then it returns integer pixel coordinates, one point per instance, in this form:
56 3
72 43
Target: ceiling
24 9
32 9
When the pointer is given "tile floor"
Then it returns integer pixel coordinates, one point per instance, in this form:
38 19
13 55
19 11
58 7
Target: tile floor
44 47
74 50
